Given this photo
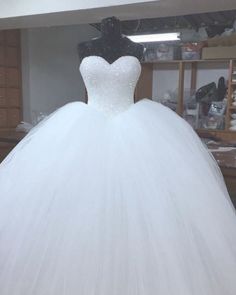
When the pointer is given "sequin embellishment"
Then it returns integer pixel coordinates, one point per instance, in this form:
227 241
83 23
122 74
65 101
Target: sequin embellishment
110 87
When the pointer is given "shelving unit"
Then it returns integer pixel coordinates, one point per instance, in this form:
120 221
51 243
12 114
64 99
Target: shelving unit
145 86
231 88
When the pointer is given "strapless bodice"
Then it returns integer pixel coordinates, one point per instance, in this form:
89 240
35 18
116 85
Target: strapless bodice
110 87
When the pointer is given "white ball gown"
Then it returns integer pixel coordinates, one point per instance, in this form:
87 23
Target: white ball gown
114 198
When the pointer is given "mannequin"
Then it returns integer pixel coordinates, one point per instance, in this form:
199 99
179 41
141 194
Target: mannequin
112 44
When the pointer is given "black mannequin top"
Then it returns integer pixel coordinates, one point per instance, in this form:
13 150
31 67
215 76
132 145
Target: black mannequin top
112 44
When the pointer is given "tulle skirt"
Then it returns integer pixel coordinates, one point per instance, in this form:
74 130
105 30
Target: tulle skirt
129 205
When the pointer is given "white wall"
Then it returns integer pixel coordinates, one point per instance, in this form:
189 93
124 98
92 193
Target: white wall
28 13
12 8
50 67
165 77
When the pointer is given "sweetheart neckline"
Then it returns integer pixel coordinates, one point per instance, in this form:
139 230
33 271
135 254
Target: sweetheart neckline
110 64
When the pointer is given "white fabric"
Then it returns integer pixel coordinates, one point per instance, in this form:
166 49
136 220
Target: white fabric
129 204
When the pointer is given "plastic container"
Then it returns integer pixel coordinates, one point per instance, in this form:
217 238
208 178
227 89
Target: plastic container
165 52
191 51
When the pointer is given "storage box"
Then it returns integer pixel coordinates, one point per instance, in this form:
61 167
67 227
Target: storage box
191 51
219 52
165 52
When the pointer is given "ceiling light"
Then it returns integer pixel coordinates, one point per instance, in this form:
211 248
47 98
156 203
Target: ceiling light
155 37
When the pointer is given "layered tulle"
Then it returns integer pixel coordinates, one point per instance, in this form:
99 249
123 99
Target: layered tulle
129 205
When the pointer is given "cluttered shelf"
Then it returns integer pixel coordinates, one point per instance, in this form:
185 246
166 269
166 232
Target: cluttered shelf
208 108
215 105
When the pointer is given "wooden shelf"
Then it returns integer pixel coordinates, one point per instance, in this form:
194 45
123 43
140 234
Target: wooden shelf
9 67
187 61
217 135
213 130
182 66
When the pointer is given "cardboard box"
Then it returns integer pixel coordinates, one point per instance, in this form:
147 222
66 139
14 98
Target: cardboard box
222 41
219 52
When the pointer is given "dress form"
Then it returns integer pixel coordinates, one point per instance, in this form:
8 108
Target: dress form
112 44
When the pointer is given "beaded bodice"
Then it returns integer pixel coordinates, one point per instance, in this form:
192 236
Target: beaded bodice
110 87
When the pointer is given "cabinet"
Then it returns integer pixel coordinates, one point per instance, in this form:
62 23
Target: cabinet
10 85
145 86
10 80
